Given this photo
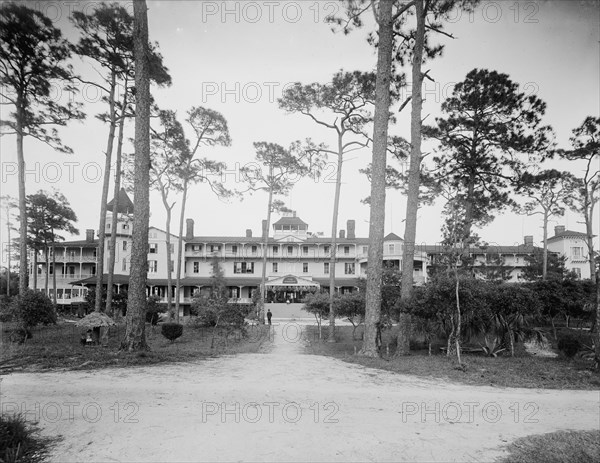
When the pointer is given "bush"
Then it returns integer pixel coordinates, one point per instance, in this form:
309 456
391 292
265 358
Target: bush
6 309
154 309
211 312
18 441
172 331
34 308
569 346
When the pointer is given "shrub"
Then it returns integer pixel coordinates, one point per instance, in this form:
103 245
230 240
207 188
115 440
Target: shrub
569 346
211 312
154 309
6 309
172 331
34 308
18 441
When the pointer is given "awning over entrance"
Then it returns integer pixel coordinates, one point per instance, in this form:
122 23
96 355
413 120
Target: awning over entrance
292 283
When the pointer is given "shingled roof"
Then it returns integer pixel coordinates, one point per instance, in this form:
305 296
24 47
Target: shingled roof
125 204
566 234
290 221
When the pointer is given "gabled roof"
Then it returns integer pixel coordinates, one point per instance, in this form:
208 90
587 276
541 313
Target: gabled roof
392 237
290 221
491 249
125 204
567 234
83 243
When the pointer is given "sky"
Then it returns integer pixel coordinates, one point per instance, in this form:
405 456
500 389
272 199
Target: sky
236 57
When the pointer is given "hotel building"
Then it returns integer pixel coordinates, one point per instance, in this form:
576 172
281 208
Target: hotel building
298 260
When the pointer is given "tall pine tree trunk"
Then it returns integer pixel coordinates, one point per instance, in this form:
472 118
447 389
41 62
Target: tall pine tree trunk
23 270
135 336
263 278
180 250
8 250
168 209
103 200
35 269
588 214
333 253
112 248
46 258
545 255
377 215
598 320
414 178
53 273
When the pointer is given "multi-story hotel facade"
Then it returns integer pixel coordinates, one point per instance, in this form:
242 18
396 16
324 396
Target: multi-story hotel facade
298 260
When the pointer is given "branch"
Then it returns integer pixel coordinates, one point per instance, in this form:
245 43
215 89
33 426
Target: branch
404 104
439 31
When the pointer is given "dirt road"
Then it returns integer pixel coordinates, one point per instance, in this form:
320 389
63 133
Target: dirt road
283 405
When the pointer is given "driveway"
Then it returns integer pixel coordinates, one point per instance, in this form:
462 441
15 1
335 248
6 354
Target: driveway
283 405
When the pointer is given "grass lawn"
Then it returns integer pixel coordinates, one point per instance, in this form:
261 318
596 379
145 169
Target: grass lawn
58 346
523 370
556 447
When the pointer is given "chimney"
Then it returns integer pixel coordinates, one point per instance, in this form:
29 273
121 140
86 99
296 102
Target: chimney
559 229
342 234
189 230
528 240
264 228
248 233
350 226
89 235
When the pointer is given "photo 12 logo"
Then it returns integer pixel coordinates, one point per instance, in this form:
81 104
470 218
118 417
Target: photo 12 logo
254 412
468 412
90 412
262 12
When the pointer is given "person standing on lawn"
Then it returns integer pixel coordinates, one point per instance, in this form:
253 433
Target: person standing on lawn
269 315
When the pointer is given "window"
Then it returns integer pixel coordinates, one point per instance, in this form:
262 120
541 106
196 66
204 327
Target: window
124 245
153 248
93 269
305 250
577 272
152 266
326 268
108 226
577 252
346 250
305 267
124 265
275 250
326 249
275 267
196 267
196 247
125 226
215 247
75 293
365 249
234 249
349 269
254 249
290 249
243 267
39 269
391 248
67 294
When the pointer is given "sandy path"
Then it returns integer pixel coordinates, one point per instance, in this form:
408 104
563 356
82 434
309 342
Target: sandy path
281 405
